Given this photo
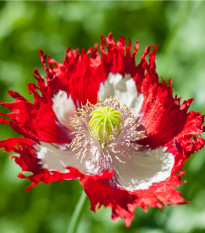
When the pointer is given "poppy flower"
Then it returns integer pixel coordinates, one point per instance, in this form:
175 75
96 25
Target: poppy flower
108 122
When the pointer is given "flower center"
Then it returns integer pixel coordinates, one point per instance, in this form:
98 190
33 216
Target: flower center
105 122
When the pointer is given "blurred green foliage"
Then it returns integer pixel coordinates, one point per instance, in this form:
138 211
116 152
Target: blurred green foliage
25 27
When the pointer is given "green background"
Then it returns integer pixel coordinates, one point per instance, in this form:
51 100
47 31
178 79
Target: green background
25 27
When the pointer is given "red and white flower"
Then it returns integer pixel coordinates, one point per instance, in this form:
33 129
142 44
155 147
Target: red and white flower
109 123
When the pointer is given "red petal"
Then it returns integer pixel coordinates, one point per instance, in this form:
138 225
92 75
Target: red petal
101 193
123 203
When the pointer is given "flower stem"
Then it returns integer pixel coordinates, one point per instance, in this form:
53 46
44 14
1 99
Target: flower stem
76 214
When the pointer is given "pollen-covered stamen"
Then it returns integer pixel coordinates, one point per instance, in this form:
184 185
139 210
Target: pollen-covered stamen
82 142
103 132
105 122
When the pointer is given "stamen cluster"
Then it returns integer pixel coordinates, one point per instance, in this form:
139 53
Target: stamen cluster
99 142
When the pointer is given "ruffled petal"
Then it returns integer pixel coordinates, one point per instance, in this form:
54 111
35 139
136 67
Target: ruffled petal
100 192
163 117
29 162
123 202
36 121
81 75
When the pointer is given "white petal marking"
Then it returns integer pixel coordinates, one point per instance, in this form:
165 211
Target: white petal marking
123 89
63 107
141 170
57 157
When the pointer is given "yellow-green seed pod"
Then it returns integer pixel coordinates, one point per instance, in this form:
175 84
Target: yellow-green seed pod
104 122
